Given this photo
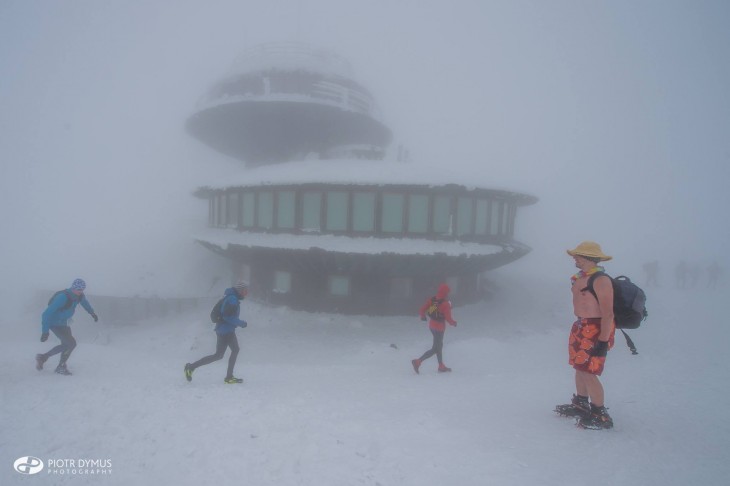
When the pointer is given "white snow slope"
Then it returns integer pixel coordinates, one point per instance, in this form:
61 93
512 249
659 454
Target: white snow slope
328 401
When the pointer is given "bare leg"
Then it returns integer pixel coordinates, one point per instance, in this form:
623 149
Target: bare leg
589 385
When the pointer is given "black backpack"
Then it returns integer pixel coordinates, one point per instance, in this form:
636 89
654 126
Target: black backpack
216 315
433 310
69 299
629 304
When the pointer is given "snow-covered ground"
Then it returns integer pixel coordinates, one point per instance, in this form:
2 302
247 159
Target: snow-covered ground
332 400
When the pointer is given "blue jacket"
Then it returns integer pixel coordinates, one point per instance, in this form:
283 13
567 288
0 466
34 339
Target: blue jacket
55 315
230 310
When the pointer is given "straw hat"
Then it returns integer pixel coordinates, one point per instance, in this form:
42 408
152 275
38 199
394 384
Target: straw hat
589 249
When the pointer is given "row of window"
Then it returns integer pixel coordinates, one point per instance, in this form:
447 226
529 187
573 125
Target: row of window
339 285
361 211
341 91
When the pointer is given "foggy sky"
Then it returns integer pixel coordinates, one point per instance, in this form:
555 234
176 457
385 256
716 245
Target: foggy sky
616 114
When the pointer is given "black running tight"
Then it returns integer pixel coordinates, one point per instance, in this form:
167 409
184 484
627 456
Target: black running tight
68 343
224 341
437 348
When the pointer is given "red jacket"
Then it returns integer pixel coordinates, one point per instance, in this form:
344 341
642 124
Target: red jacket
444 309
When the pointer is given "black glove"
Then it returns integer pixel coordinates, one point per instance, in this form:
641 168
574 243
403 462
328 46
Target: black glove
600 349
44 337
424 318
95 317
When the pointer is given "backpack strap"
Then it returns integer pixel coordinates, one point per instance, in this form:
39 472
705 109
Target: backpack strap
589 285
69 299
629 342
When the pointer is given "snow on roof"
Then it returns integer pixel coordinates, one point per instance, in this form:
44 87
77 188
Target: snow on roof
353 171
290 56
222 238
208 101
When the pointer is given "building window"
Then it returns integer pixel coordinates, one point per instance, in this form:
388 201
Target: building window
220 209
244 273
232 211
282 282
285 209
417 213
363 211
392 213
336 211
505 219
465 212
265 211
511 220
311 211
482 217
494 220
249 206
401 288
442 215
339 285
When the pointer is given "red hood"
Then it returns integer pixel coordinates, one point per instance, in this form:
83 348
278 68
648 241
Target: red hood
443 291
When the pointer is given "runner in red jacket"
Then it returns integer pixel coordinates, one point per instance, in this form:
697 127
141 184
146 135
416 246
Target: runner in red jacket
438 310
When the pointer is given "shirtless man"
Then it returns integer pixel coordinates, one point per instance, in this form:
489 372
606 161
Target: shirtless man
591 336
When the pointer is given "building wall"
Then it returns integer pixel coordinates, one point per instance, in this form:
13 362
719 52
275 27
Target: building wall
373 284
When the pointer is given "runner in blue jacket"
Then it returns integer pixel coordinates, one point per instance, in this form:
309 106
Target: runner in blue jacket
55 318
226 333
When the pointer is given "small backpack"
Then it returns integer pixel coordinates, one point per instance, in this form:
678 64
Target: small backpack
69 299
433 310
216 315
629 304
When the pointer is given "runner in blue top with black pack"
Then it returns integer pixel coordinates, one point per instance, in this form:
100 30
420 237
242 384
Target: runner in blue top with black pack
225 316
60 309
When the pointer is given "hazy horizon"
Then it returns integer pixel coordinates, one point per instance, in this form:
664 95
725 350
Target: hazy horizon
614 114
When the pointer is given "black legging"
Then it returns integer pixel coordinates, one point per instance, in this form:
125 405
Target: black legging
438 346
224 341
68 343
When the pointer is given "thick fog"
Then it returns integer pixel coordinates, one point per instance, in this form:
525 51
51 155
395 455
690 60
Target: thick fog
616 114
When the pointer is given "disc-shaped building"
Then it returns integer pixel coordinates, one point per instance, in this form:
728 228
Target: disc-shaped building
322 218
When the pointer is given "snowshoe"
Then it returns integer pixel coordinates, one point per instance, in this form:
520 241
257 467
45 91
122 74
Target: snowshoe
188 372
578 407
63 370
39 360
233 380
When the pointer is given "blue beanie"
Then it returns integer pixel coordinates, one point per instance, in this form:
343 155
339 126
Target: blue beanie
78 284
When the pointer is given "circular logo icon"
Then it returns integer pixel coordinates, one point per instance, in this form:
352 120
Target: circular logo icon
28 465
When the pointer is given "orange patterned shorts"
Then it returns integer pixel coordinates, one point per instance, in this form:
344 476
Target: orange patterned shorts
583 336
